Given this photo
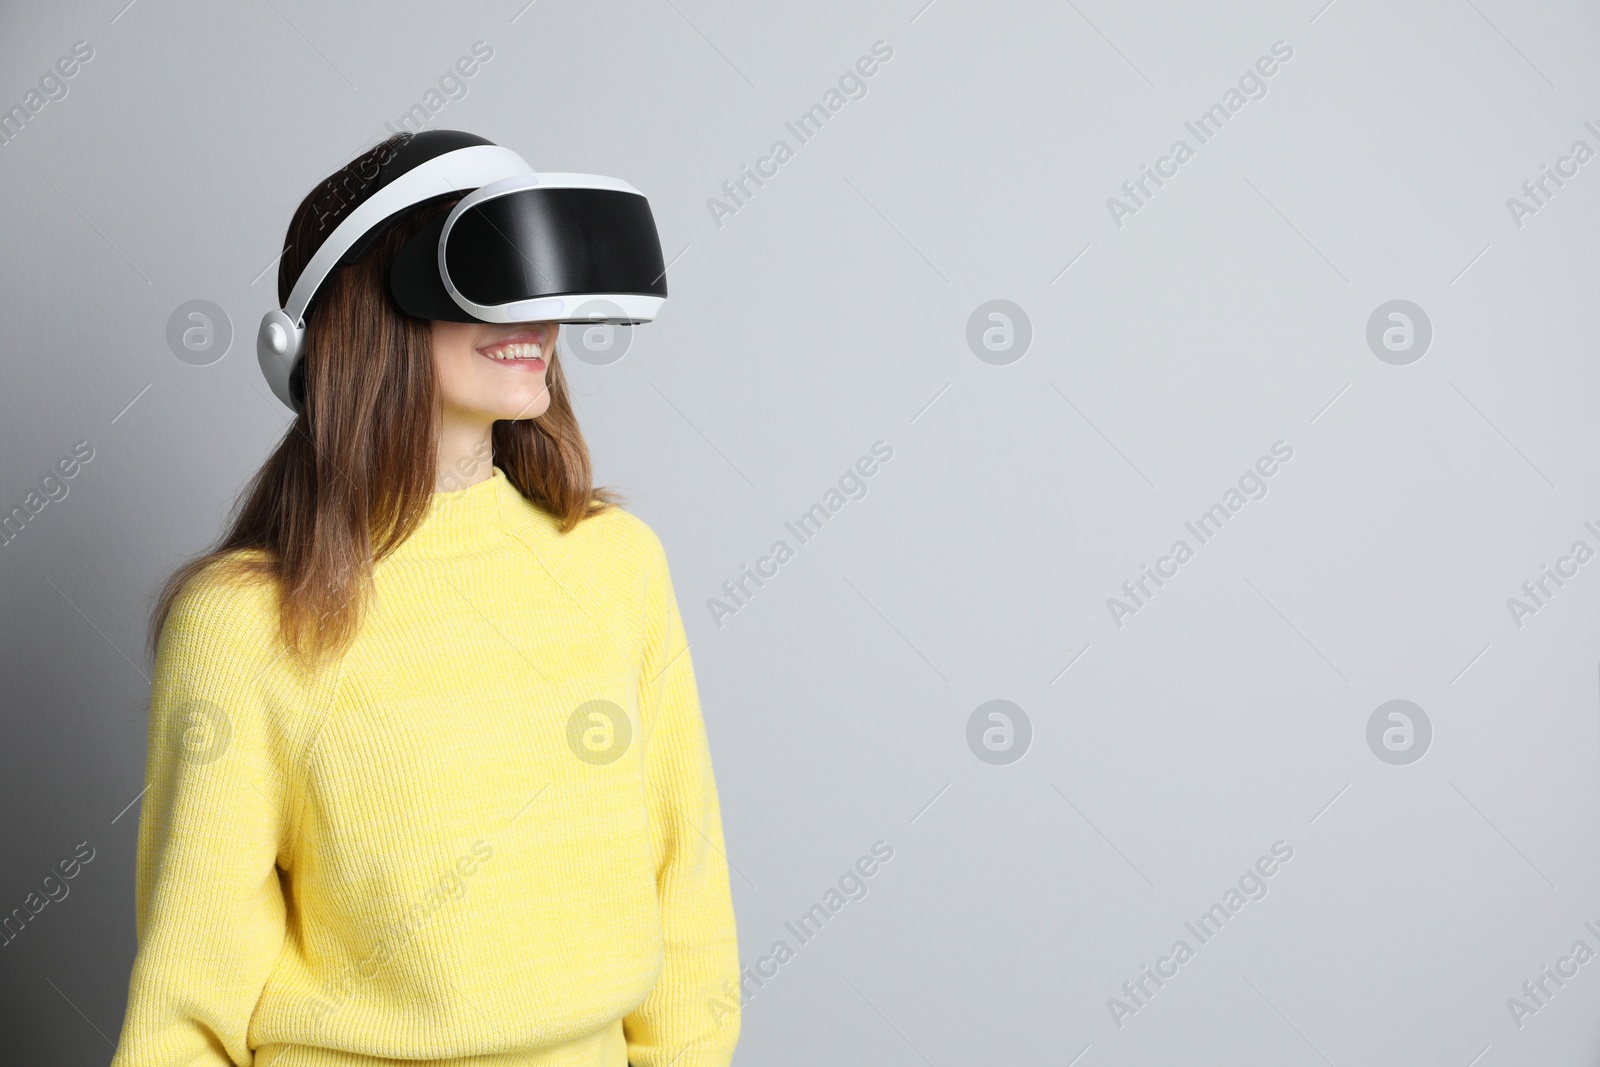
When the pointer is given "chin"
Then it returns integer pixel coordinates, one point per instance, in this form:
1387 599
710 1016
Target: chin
521 408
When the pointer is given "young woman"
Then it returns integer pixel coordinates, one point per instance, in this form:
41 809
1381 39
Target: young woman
427 775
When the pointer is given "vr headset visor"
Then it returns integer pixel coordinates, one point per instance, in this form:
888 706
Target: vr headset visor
536 247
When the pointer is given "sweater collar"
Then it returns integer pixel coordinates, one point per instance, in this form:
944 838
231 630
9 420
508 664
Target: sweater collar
460 520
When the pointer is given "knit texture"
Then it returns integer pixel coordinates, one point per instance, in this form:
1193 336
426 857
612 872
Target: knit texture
488 836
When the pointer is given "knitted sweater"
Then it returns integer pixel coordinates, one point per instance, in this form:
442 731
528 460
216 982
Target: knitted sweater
487 836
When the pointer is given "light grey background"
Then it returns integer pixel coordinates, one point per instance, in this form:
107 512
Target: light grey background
830 312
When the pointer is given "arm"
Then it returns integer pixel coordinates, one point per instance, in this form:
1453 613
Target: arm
691 1018
209 908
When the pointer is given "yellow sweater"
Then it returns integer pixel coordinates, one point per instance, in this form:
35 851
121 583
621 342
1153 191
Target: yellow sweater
489 836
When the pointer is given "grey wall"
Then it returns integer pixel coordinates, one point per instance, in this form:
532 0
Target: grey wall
1171 347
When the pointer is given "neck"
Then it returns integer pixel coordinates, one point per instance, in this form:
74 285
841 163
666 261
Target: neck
466 449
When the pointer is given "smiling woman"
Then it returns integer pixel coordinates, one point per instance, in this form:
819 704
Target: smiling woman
387 618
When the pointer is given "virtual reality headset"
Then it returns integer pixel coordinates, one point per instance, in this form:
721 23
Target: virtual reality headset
518 247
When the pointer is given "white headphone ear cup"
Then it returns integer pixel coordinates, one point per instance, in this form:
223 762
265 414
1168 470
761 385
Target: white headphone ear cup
278 349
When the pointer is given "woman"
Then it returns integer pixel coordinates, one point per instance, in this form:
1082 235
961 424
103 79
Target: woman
427 775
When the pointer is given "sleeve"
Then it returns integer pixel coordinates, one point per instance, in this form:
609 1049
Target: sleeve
209 910
691 1018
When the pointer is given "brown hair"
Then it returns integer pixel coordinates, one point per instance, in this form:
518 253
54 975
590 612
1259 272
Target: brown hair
355 472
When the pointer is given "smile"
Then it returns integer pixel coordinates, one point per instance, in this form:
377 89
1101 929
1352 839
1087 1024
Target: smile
521 347
521 350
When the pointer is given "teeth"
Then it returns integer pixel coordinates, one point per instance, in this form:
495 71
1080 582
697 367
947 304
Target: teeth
521 350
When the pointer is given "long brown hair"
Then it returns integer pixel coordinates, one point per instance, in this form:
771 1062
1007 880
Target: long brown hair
355 472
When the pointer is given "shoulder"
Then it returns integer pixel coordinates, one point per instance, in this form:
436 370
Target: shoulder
625 561
223 680
229 606
222 644
621 539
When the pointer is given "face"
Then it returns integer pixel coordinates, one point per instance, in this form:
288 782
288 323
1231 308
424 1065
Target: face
488 370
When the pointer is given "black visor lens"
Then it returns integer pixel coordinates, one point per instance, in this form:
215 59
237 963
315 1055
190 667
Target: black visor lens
549 242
